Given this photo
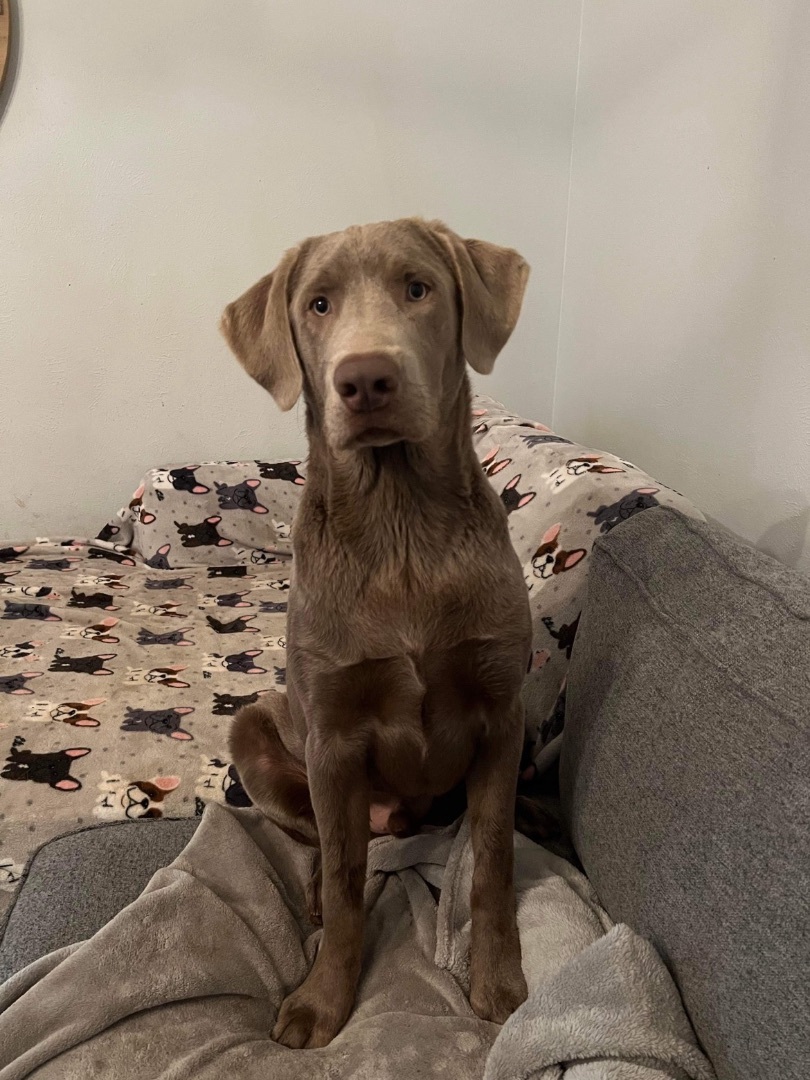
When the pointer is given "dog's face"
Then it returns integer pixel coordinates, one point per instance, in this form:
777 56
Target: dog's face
382 297
374 325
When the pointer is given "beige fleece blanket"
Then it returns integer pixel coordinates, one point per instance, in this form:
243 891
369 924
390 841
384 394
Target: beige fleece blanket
186 982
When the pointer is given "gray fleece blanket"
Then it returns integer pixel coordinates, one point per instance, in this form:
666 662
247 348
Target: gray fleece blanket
187 980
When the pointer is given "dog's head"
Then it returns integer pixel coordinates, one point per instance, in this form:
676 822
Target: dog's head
374 325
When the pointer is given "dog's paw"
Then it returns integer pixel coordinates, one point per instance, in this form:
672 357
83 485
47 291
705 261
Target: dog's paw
496 992
312 1015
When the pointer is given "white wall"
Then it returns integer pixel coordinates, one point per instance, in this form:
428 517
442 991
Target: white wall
685 329
157 157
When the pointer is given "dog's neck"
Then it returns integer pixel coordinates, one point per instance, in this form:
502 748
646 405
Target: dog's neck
403 495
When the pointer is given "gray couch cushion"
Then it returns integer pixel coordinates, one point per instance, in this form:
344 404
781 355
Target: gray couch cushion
78 882
686 776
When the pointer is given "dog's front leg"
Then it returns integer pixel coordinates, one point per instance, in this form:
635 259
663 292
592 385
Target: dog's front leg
497 984
313 1014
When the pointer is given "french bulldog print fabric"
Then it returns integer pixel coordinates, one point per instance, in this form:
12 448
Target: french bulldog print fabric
124 658
560 496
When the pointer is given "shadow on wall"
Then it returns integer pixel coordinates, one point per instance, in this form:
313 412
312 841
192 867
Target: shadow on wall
776 522
787 540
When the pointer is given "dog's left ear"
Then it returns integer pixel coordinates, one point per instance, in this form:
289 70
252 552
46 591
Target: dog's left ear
257 328
491 281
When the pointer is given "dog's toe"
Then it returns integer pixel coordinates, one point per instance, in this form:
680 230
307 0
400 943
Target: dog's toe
312 1015
496 1001
295 1026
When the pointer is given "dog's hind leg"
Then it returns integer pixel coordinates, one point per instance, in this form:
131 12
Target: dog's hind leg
275 780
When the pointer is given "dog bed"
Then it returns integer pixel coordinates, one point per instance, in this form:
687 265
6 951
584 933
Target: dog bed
123 658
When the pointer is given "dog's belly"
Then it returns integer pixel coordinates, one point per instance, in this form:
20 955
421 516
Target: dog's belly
424 752
421 716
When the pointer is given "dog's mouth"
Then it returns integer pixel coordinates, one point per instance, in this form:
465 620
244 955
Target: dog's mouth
376 436
398 422
372 429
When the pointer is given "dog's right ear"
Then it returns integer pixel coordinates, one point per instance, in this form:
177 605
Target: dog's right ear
257 328
491 282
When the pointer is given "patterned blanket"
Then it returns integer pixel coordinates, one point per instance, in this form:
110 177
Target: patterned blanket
123 658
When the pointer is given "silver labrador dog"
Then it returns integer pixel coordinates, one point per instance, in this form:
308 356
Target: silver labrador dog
409 631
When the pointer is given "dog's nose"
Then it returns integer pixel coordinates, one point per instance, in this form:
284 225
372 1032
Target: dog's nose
366 383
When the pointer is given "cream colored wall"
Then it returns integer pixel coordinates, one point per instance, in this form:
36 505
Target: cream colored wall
155 158
685 329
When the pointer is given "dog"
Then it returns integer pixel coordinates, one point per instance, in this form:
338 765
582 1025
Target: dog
408 626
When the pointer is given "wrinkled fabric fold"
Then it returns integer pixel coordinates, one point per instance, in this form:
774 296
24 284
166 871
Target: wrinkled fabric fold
187 980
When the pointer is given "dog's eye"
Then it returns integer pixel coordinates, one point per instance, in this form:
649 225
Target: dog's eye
417 290
320 305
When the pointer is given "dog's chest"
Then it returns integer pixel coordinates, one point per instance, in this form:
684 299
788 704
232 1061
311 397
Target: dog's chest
408 611
420 715
382 624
